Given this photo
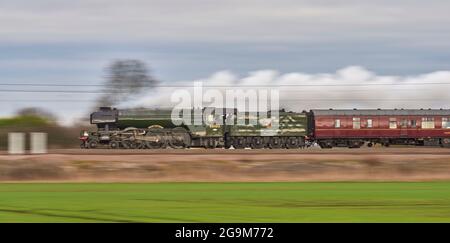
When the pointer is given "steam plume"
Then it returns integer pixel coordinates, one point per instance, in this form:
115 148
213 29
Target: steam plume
350 87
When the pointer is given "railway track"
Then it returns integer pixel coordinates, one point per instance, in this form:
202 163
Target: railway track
198 151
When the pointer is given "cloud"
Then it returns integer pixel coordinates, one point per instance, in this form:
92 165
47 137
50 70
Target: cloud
350 87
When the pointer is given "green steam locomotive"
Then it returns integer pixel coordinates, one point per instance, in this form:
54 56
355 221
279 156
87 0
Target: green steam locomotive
207 127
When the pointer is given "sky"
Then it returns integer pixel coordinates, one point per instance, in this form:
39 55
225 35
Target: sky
71 42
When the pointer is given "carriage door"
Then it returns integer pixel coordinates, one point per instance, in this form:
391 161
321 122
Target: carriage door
404 127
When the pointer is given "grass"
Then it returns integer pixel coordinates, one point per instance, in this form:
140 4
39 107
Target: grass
226 202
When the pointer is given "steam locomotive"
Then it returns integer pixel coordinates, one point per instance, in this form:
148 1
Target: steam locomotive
220 127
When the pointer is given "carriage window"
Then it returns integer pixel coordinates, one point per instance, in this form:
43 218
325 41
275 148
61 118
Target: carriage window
392 123
369 123
412 123
404 123
356 123
446 122
337 123
427 122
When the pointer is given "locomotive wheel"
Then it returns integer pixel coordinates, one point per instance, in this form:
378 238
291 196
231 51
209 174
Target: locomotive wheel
257 143
114 145
446 142
92 144
211 143
292 143
180 138
160 137
240 143
128 144
176 144
156 145
140 144
275 143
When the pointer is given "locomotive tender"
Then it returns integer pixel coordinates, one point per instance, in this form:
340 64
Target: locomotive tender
155 129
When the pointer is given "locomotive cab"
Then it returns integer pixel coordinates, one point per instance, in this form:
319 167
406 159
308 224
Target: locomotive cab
105 119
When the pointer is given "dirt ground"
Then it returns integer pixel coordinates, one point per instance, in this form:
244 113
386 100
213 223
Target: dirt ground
330 165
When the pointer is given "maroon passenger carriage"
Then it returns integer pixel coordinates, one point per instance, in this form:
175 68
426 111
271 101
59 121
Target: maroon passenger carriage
354 128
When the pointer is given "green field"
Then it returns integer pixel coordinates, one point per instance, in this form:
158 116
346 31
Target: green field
226 202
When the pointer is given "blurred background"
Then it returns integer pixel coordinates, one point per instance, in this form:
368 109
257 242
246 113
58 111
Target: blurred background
62 59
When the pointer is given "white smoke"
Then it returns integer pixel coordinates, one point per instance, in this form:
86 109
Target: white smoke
350 87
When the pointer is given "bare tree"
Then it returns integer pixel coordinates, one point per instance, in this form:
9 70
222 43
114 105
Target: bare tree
37 112
124 79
